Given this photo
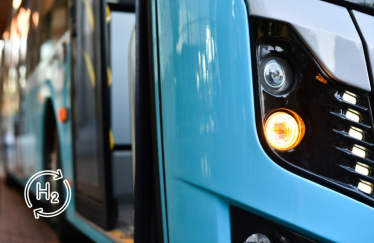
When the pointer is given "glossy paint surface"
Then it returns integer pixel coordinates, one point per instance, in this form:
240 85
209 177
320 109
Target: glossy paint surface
327 30
366 25
212 154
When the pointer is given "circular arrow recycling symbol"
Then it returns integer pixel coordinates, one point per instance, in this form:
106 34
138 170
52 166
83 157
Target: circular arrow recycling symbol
57 175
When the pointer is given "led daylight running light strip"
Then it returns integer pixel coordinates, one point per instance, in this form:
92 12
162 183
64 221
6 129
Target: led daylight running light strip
361 169
352 116
350 97
365 187
358 151
355 133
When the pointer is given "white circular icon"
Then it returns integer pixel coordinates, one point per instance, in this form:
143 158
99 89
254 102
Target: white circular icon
53 197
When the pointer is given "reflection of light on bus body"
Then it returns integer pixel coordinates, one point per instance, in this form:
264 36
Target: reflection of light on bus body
43 94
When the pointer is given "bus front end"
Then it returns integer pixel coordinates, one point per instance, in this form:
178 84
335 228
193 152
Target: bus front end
264 119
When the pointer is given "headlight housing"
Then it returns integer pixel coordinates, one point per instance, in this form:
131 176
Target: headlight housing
337 149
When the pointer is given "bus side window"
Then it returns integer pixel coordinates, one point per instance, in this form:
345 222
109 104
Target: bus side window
48 22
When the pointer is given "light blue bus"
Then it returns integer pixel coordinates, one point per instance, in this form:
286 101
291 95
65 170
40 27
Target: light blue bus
197 120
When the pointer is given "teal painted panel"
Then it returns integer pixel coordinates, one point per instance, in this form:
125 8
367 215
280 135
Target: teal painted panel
212 154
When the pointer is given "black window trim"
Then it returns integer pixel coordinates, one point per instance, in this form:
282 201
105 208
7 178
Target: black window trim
352 6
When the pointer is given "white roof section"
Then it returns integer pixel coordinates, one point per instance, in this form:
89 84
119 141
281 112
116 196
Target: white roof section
327 30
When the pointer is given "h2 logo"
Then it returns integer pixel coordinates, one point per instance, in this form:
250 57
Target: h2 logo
53 197
47 191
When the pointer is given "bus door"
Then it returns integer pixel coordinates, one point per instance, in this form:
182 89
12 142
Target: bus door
90 128
103 168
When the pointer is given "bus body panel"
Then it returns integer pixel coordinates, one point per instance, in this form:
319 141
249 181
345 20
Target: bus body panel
212 154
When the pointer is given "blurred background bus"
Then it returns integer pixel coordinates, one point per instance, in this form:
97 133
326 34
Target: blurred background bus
65 73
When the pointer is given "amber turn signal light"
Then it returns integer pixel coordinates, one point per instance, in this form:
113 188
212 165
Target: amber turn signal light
62 114
284 129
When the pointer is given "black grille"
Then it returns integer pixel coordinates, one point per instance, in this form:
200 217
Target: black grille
348 143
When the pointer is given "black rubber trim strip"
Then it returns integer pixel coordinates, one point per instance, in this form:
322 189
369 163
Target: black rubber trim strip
147 196
161 123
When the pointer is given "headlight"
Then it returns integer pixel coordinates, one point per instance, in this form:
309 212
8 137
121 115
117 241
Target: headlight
258 238
284 130
277 75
